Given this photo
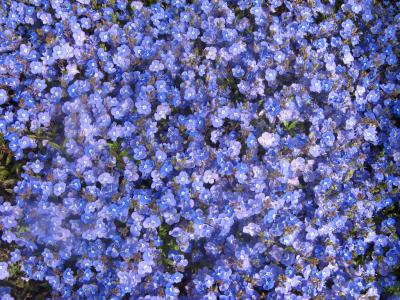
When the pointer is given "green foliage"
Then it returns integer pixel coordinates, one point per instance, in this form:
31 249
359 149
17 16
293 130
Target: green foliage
115 18
289 125
15 275
337 6
149 2
349 175
94 5
229 83
294 127
22 289
118 153
9 169
393 290
168 244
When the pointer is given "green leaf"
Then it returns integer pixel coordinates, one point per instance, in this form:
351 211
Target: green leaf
17 167
393 290
22 229
54 145
124 153
114 17
292 125
349 175
114 146
9 159
3 173
168 244
168 261
149 2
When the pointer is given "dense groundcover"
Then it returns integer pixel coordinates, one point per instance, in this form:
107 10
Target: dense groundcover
199 149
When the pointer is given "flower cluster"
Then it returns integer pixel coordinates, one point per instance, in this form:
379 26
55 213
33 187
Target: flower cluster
203 149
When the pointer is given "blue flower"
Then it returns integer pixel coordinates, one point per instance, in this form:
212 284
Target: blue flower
4 270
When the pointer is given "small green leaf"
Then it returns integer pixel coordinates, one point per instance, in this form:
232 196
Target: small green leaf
22 229
292 125
17 167
168 261
3 173
349 175
54 145
114 17
9 159
124 153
